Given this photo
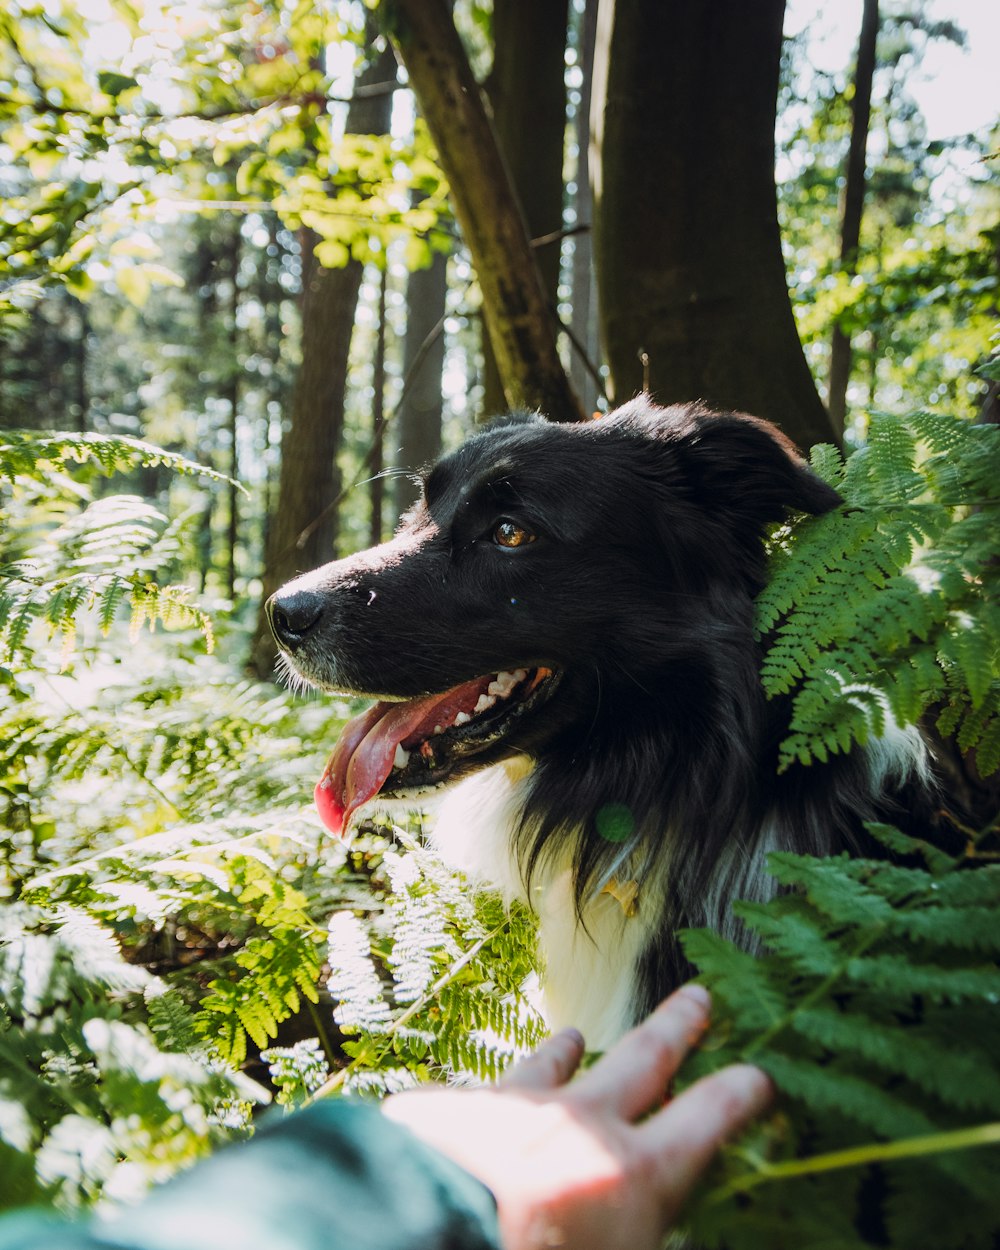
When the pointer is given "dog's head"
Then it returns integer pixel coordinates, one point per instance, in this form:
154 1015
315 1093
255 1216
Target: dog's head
545 567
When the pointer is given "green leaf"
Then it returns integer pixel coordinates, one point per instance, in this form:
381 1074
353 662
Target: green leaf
113 83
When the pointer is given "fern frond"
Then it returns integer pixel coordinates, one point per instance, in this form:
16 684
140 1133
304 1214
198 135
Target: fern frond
873 1007
29 453
438 983
100 556
874 609
353 980
892 460
297 1071
74 1054
950 1075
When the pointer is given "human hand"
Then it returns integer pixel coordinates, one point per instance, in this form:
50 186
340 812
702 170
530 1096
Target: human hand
602 1163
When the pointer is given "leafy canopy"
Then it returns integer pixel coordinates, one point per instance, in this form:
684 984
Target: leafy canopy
114 124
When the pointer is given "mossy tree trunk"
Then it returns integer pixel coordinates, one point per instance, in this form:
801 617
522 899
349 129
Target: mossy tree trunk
521 325
586 354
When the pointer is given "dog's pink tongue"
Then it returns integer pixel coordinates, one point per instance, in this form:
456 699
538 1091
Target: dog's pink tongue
329 792
366 749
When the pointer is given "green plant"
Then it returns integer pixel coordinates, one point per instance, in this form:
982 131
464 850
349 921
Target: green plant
92 557
889 605
147 928
104 1083
874 1009
435 984
159 863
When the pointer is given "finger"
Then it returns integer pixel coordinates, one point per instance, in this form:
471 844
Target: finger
550 1066
633 1076
682 1139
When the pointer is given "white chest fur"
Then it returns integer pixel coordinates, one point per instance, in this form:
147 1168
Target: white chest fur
588 978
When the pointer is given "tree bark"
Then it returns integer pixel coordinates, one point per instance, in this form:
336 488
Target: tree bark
81 394
377 483
586 349
303 530
855 184
687 245
233 399
527 93
520 324
417 423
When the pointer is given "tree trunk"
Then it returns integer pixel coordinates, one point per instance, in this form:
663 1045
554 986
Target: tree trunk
687 246
527 92
855 183
377 483
302 534
233 399
81 394
417 423
521 326
586 349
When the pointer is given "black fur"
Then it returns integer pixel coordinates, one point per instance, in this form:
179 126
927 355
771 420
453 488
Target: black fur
639 591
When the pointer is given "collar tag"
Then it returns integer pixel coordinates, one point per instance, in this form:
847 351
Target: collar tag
625 893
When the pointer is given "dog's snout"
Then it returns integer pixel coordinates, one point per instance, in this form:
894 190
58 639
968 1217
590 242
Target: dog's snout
292 616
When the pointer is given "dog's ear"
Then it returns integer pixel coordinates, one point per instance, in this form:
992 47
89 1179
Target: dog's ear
745 466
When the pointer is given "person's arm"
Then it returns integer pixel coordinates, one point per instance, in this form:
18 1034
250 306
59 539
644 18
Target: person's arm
605 1161
337 1176
595 1164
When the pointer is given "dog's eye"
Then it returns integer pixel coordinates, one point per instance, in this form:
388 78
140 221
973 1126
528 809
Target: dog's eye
510 534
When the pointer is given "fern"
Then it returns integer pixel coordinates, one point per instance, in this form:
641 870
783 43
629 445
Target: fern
169 739
195 874
276 972
74 1053
29 454
297 1071
873 1008
437 986
141 811
105 554
888 606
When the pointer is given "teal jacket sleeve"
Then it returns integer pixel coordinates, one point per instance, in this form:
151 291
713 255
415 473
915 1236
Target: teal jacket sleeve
338 1176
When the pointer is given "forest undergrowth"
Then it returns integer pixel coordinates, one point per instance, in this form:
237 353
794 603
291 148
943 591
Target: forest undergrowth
182 942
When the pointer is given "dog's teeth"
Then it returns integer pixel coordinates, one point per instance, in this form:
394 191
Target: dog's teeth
401 758
505 682
462 718
483 702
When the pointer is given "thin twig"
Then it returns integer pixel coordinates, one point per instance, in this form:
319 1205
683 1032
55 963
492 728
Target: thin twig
858 1156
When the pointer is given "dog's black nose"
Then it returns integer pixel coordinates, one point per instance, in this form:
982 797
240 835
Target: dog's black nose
293 616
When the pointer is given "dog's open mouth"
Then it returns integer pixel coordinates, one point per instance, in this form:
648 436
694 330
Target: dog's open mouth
398 747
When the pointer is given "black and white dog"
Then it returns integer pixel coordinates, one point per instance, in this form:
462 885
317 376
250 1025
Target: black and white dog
564 625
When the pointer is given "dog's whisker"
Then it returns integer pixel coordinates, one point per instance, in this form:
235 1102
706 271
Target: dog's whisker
631 676
382 475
